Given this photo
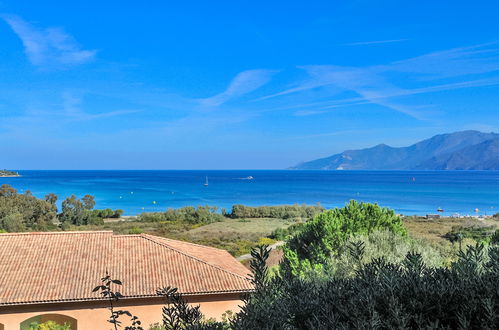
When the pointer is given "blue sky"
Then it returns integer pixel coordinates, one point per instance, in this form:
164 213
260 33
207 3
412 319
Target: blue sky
237 84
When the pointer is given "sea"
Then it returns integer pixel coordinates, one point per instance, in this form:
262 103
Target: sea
407 192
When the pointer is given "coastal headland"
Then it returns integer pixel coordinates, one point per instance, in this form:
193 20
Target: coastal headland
9 174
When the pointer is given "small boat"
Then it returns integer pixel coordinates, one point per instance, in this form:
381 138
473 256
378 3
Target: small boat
413 179
206 182
440 209
249 178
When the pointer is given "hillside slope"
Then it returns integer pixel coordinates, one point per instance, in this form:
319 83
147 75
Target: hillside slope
459 150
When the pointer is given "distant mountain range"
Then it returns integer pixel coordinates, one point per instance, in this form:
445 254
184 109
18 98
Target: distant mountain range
466 150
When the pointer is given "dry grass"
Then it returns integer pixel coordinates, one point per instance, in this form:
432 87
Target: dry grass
432 231
241 228
238 236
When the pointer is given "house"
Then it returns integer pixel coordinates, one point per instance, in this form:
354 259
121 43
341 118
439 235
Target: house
50 276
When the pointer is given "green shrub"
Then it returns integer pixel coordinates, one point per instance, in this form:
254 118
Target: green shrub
189 214
322 236
106 213
135 231
96 221
282 234
265 241
381 244
151 217
479 233
13 223
495 238
279 212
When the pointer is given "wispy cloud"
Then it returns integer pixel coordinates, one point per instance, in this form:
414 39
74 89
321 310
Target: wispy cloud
374 42
68 111
451 69
243 83
455 62
50 47
72 111
322 107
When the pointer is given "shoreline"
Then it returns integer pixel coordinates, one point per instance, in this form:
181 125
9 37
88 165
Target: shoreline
136 192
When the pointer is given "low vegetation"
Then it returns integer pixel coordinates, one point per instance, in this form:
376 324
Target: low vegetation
280 212
238 236
479 232
189 215
384 244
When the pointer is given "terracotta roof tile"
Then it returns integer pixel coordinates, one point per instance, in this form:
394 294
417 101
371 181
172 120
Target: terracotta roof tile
66 266
208 254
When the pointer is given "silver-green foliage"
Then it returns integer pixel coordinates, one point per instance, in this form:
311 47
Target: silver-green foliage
381 244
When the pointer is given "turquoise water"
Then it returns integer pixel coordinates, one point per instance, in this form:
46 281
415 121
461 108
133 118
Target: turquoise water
136 191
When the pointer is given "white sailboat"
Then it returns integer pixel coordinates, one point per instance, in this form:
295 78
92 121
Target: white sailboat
206 182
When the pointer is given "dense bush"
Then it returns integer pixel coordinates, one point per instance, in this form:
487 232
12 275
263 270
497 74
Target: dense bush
280 212
282 234
74 212
382 295
381 244
78 212
107 213
495 238
322 237
20 212
189 214
135 231
482 233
